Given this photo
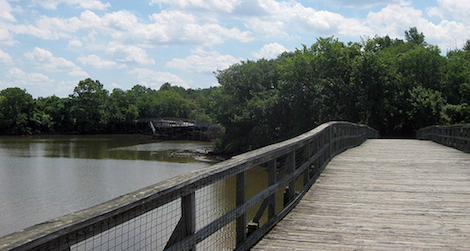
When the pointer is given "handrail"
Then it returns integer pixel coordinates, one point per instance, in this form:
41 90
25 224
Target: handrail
457 136
183 213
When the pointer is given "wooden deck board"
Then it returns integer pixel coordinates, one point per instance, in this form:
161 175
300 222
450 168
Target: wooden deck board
383 195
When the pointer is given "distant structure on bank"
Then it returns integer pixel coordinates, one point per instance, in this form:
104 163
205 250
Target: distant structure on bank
180 129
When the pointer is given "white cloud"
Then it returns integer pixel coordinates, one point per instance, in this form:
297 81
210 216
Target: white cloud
45 60
128 53
203 62
35 31
435 12
362 3
270 18
5 11
394 20
166 27
22 78
82 4
155 79
270 51
5 37
5 58
180 27
78 73
324 22
59 26
49 28
447 35
268 27
457 9
213 5
75 44
95 61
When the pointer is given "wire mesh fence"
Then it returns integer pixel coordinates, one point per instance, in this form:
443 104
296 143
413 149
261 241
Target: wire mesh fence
228 206
149 231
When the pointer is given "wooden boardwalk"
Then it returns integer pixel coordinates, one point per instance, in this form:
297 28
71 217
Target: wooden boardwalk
383 195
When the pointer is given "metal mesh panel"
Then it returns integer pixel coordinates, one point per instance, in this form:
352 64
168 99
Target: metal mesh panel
212 202
150 231
257 181
223 239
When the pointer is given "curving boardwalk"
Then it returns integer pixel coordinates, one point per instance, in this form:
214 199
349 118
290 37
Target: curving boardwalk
383 195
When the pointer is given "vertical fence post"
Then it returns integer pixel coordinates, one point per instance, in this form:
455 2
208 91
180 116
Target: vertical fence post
290 192
188 207
241 198
187 224
271 181
331 138
307 154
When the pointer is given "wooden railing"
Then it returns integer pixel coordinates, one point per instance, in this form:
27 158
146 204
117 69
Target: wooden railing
219 207
457 136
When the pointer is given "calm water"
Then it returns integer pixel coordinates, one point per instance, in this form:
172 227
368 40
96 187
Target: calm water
43 177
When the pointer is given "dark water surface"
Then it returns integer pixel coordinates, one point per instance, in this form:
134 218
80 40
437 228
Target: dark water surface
43 177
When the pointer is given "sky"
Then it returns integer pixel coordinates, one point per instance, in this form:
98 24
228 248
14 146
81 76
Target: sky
48 46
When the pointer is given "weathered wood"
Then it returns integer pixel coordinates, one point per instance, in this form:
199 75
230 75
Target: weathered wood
271 181
383 195
240 200
289 194
187 223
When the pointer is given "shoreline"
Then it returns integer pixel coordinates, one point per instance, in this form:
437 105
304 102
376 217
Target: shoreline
202 154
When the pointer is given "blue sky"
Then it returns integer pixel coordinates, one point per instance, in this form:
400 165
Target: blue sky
47 46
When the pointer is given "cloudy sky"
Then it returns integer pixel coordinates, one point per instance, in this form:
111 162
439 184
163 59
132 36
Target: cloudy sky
47 46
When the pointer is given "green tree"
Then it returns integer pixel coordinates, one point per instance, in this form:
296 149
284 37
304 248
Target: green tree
414 37
146 101
16 109
426 107
457 75
89 111
422 67
171 104
247 105
374 80
122 112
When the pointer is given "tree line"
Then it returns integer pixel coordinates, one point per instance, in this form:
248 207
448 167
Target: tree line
396 86
91 109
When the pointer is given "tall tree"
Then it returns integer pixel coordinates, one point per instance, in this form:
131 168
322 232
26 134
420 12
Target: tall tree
89 106
413 36
16 107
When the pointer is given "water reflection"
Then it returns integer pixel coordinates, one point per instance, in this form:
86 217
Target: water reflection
45 177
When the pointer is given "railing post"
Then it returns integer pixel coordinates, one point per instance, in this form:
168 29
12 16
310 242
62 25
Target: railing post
290 192
307 155
271 181
241 199
187 224
331 142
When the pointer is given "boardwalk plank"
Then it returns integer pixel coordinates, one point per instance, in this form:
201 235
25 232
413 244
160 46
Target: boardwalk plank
383 195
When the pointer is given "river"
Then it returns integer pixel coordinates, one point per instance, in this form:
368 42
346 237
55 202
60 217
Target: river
44 177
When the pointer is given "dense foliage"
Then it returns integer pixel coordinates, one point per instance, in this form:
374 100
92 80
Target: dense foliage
92 109
396 86
392 85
